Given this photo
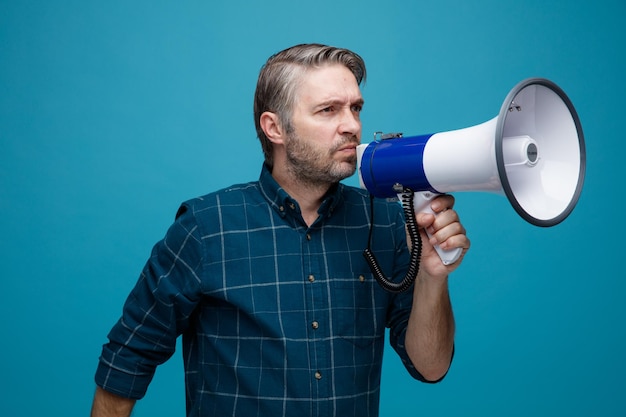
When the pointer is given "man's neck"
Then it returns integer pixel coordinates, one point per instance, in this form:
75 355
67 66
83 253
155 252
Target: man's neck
308 195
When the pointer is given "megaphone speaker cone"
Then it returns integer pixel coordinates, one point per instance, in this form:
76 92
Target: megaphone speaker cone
540 152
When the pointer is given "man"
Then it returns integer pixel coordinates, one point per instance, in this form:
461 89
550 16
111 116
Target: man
266 281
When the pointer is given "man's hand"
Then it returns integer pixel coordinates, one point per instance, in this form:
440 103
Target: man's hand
446 231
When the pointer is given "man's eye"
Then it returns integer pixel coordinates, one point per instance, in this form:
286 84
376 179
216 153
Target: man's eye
357 108
327 109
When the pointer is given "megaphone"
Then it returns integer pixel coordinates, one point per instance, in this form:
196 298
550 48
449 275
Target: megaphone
533 152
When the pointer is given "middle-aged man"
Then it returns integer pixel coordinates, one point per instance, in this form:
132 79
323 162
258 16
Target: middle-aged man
266 281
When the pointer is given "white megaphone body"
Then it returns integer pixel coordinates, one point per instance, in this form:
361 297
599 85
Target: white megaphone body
533 152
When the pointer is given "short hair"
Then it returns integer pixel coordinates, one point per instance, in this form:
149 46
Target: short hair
280 76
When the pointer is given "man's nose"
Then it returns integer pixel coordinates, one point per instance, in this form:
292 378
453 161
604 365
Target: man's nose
350 123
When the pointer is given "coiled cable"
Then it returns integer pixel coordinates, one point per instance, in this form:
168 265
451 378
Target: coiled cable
416 250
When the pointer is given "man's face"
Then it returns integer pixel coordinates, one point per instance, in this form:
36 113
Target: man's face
321 148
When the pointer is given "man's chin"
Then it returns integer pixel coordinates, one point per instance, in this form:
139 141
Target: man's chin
345 170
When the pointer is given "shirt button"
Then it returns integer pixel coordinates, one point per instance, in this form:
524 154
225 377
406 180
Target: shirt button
311 278
292 206
308 236
361 278
318 375
315 325
281 208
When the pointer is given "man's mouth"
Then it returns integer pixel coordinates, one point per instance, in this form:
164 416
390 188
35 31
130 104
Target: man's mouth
348 147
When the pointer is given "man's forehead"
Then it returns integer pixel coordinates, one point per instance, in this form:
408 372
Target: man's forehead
330 82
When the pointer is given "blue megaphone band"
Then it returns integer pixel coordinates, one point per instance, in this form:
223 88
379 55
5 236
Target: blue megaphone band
388 162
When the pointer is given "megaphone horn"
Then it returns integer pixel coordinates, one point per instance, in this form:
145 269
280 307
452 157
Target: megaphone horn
533 152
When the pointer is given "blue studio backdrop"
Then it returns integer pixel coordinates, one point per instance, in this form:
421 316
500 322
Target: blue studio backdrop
112 113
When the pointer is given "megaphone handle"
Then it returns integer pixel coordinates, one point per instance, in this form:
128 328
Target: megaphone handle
421 204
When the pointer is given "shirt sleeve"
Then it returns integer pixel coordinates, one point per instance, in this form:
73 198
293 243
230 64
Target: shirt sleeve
156 312
401 305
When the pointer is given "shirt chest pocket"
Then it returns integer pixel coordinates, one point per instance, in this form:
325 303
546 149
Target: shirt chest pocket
359 307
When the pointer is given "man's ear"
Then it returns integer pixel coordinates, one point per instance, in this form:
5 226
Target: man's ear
271 127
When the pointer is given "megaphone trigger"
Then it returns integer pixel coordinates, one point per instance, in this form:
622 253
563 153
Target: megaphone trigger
421 204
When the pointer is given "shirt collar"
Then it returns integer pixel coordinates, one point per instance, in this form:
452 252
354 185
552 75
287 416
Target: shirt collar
284 204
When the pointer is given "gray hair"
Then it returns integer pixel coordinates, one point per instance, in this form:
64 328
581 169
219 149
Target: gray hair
280 76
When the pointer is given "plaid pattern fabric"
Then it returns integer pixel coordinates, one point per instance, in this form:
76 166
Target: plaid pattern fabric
277 318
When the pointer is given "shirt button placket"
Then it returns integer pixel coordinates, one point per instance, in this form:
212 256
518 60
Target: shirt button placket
317 292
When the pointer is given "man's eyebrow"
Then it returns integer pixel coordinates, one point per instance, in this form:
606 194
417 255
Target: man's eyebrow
337 101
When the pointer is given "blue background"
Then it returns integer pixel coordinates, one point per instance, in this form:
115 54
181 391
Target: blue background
112 113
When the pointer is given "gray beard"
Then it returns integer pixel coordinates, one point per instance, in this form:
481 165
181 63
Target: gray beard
312 167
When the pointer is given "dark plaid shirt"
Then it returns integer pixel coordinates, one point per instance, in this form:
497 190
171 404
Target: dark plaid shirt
277 318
